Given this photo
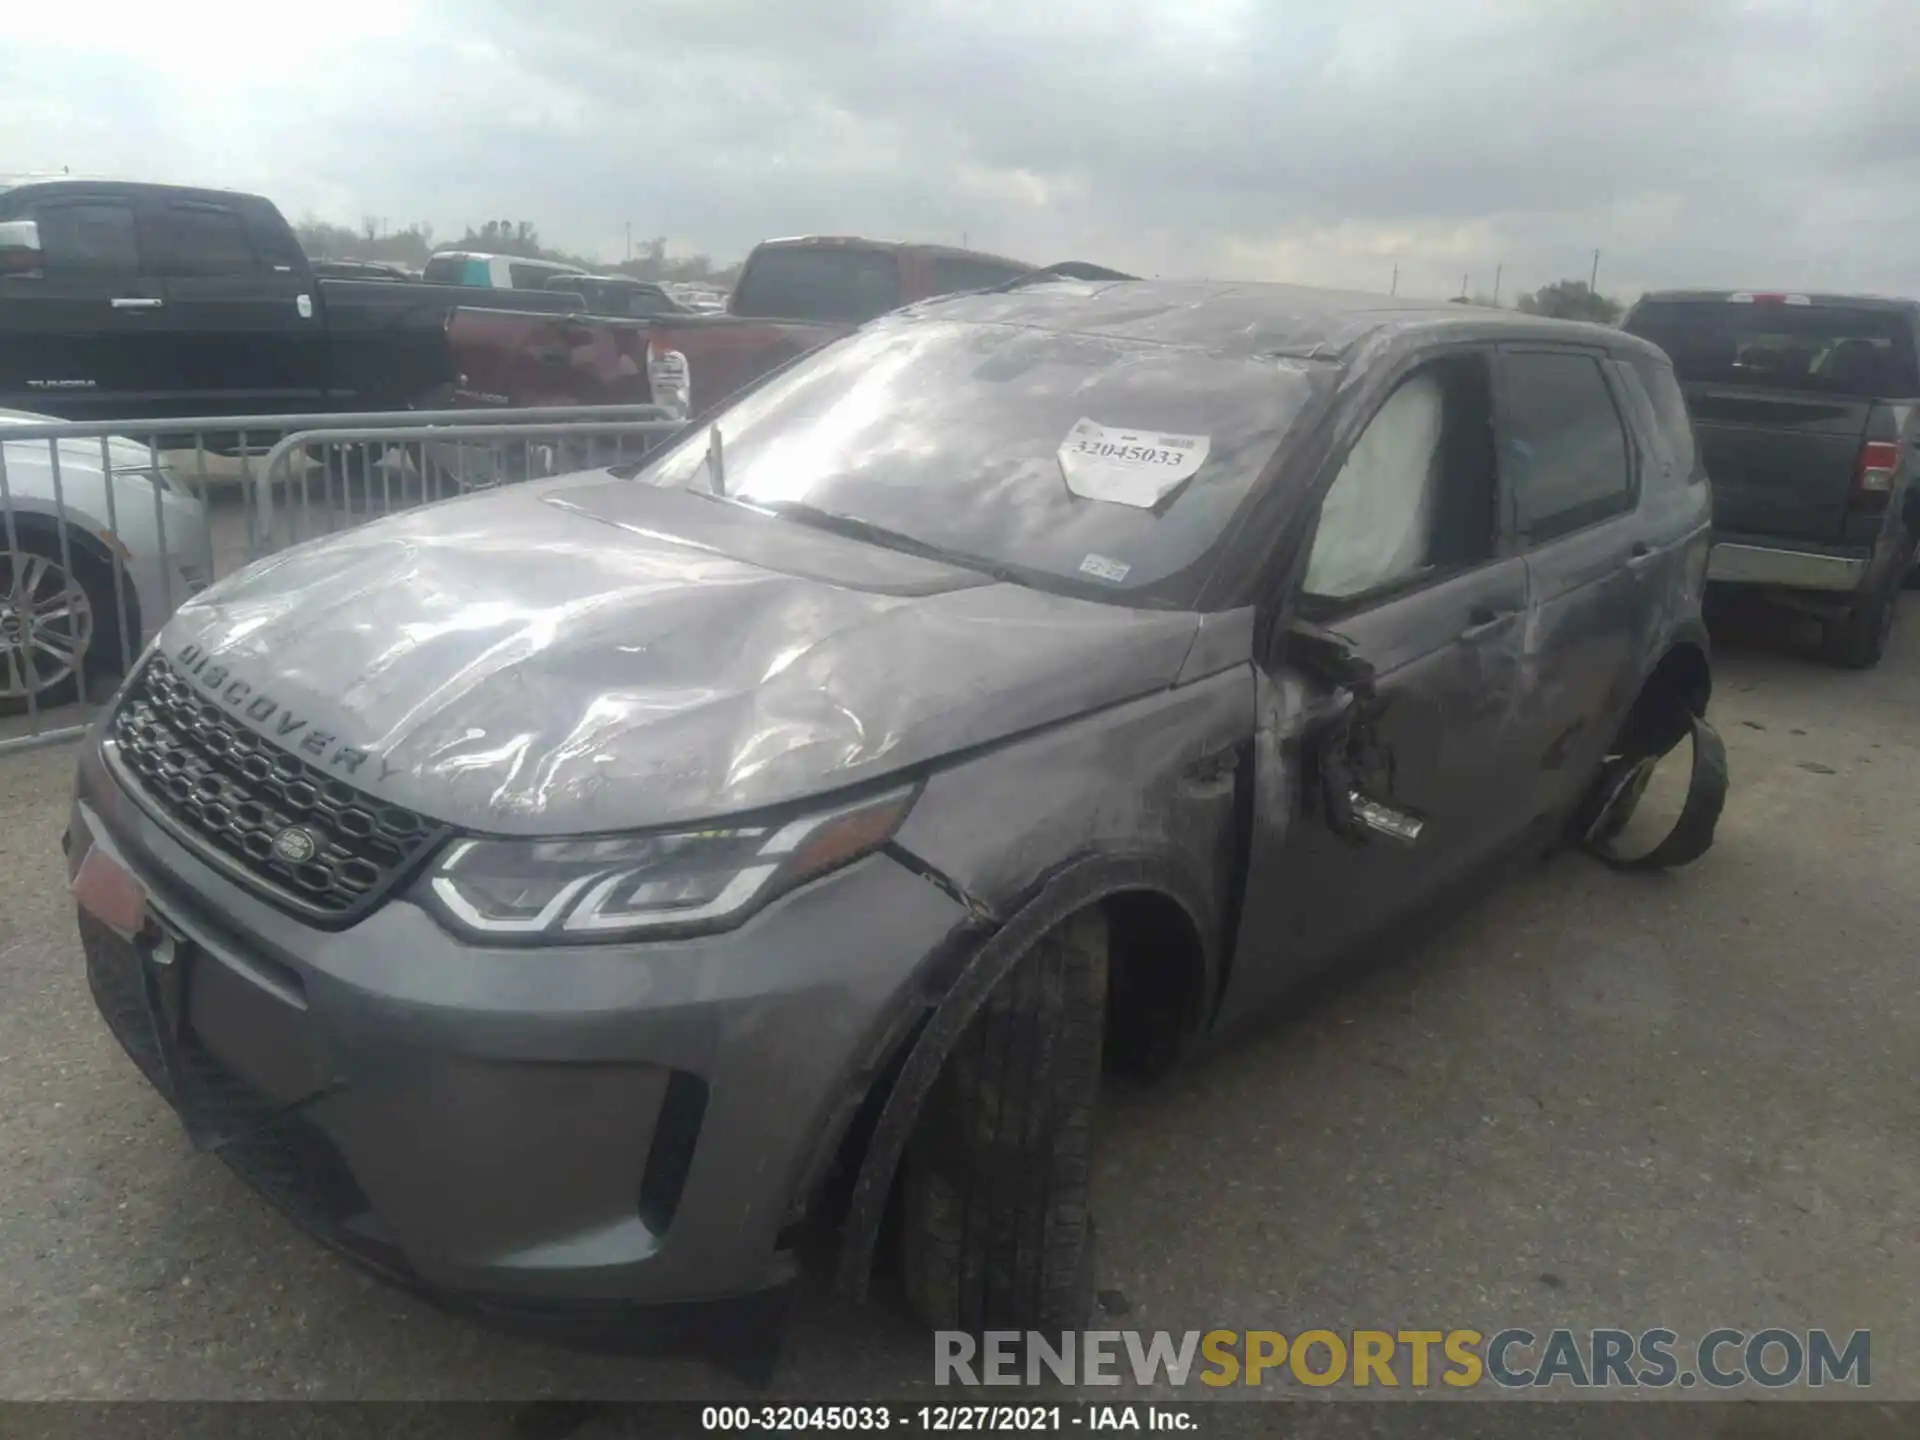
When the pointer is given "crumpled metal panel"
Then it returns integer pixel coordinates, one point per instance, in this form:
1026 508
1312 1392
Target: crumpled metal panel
581 656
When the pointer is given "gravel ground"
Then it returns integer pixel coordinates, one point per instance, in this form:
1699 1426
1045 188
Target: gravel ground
1590 1100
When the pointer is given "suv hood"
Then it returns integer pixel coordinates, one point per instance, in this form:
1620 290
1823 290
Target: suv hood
574 656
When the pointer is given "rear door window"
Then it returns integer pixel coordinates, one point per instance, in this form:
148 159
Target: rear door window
1563 450
1669 413
201 241
1830 349
830 283
649 300
87 238
534 277
446 270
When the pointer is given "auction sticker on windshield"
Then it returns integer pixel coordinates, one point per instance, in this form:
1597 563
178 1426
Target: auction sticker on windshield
1128 467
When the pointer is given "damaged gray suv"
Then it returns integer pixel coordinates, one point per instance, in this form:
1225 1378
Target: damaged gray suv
575 899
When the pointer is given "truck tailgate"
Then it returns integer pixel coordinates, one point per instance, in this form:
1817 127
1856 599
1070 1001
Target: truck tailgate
726 352
1782 464
514 358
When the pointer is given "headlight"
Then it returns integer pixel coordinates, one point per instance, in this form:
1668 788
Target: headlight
627 886
160 477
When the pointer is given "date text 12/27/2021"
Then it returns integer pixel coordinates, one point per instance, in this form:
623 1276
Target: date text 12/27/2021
946 1419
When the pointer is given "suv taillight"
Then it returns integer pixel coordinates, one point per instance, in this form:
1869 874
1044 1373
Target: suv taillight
1873 474
668 381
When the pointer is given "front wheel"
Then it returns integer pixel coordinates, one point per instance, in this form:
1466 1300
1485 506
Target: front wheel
996 1229
48 621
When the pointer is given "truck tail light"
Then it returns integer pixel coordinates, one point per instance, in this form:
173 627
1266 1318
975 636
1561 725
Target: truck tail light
669 382
1873 475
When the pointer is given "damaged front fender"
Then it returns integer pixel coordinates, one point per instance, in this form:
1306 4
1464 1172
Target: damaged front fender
1622 783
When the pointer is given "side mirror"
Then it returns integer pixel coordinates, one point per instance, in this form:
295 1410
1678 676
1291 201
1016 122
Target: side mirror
1326 656
1345 756
20 252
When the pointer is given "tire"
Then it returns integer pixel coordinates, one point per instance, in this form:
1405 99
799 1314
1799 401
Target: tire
74 614
1859 639
996 1230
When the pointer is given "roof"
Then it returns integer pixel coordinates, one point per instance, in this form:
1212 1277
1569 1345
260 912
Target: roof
557 266
126 187
632 281
1249 318
1855 302
786 242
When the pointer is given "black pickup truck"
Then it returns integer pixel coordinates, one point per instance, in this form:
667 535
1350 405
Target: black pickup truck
129 301
1807 412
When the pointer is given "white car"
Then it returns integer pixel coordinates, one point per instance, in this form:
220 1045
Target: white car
64 618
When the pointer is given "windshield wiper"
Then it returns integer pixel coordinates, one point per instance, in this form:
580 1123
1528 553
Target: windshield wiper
716 463
854 528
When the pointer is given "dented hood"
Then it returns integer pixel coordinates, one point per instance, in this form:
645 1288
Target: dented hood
594 654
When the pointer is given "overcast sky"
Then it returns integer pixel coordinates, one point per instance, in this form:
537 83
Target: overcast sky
1768 143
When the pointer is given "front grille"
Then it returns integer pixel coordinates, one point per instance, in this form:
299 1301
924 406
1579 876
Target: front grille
235 793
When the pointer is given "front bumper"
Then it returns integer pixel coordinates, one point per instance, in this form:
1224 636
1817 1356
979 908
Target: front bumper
518 1130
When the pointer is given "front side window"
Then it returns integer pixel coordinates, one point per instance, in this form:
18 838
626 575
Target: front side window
1563 451
1414 497
951 436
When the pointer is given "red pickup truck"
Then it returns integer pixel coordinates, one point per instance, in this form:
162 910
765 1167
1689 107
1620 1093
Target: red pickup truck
792 296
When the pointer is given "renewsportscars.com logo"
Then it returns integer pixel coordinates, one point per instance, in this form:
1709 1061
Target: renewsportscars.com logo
1513 1359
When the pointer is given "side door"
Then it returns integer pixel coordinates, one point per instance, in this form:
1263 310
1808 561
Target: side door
1408 566
83 336
1571 468
246 338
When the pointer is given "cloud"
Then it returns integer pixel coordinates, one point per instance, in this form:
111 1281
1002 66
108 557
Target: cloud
1691 141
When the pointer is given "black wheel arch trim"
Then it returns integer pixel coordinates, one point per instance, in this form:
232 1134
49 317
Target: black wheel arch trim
1071 888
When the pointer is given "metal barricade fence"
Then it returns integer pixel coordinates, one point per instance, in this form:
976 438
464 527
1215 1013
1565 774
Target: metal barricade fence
106 527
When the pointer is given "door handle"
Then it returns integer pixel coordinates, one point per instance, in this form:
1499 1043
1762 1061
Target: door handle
553 357
1639 557
1484 620
136 302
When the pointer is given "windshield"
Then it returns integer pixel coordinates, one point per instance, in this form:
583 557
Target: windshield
846 285
1833 349
961 438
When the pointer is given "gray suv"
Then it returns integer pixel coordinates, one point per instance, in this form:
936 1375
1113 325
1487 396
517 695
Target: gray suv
572 900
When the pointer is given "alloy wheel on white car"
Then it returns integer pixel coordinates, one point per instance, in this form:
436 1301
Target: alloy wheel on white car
46 624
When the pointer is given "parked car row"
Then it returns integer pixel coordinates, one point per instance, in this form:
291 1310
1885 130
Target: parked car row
124 301
93 560
1806 409
130 300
